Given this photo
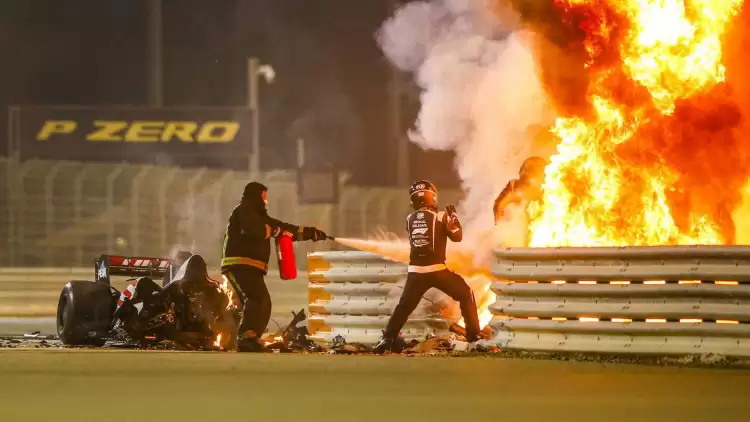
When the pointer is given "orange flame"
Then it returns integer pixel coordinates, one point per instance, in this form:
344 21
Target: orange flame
610 183
227 289
271 340
217 342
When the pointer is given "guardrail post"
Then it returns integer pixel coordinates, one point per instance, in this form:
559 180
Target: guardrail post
111 204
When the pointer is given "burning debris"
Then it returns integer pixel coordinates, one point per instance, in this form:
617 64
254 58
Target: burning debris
293 338
429 345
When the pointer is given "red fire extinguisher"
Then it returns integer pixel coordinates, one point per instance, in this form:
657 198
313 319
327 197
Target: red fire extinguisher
285 253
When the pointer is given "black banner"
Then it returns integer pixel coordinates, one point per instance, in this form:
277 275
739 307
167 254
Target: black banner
212 137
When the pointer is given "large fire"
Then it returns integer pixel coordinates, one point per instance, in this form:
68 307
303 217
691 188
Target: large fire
633 169
646 133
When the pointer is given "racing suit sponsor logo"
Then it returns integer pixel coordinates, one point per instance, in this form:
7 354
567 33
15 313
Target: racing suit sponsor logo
420 236
419 231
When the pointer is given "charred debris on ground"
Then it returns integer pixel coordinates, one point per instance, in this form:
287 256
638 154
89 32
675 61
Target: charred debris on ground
293 338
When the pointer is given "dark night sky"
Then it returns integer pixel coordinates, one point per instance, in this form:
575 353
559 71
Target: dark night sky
331 81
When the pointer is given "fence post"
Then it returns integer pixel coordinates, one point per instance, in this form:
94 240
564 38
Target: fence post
365 208
163 219
111 204
135 216
343 229
78 210
13 186
21 201
338 223
218 216
192 201
386 210
49 208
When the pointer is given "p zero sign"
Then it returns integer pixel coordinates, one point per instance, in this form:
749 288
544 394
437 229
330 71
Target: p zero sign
168 135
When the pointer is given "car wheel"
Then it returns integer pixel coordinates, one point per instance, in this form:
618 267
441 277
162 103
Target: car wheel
84 313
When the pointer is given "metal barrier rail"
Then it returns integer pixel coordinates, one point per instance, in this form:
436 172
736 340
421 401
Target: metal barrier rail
34 292
658 300
352 294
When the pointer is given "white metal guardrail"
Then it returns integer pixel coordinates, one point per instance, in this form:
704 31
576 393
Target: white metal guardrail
34 292
656 300
650 300
352 294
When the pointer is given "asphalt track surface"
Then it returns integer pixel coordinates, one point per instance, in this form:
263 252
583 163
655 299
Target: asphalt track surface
18 326
66 385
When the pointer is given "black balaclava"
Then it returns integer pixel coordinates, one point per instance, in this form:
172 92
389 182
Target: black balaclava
253 196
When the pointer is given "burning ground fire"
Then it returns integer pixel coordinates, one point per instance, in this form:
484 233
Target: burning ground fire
220 342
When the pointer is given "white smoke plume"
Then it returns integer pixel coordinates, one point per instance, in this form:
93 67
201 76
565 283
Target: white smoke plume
480 97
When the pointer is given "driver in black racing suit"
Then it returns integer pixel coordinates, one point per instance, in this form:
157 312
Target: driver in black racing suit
429 231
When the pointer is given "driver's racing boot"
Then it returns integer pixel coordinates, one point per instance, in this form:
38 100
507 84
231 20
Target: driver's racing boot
389 344
384 345
250 343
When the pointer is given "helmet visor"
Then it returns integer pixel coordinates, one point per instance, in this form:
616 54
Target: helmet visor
424 198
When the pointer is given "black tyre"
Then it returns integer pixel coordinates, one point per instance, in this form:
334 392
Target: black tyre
84 313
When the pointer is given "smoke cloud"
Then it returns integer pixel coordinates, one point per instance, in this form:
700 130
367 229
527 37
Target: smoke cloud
481 97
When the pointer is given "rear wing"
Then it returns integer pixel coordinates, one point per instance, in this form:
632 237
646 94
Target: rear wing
109 265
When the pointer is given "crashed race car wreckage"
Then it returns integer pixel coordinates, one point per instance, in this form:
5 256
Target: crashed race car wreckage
189 309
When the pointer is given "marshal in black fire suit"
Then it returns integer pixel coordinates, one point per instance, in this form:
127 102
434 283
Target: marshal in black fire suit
245 255
429 231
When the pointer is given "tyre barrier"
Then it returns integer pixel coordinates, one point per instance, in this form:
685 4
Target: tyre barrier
647 300
352 294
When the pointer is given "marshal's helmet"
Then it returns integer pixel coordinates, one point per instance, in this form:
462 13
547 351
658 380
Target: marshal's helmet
423 194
